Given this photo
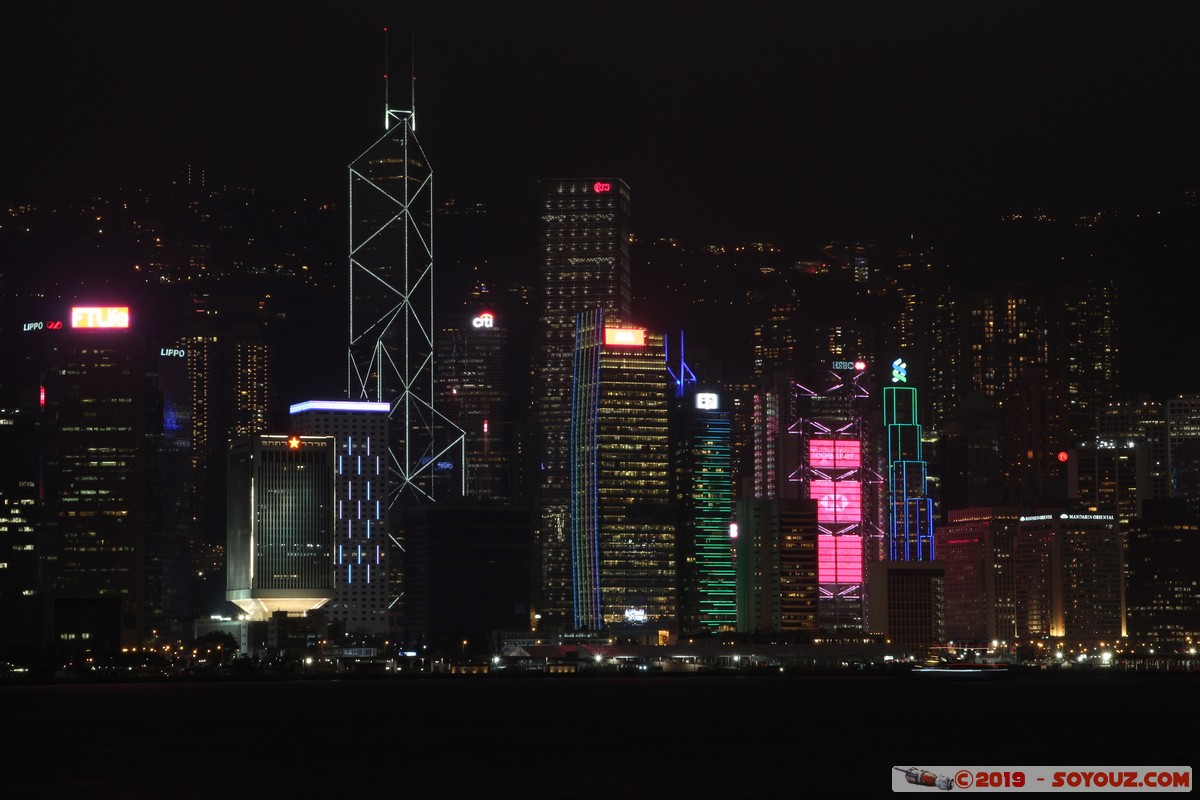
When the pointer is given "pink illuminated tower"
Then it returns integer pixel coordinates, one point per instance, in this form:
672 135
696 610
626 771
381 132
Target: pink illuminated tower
816 440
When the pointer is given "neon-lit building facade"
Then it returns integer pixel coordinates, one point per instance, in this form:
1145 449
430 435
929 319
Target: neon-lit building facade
827 453
910 523
586 263
281 519
391 282
622 528
704 498
362 545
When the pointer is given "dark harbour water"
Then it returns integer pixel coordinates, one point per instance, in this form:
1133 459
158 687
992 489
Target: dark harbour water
575 737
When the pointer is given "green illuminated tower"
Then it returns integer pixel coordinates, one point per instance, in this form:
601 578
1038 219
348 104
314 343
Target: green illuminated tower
910 523
704 497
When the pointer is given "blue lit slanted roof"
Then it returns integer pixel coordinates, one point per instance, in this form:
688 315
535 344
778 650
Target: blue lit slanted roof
338 405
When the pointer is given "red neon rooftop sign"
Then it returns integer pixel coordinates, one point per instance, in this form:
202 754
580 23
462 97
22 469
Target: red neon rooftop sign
599 187
629 337
100 316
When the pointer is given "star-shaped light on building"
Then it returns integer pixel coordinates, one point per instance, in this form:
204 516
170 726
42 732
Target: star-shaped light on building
294 442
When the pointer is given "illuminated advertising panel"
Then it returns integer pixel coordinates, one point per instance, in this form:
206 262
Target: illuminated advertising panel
600 187
838 501
484 320
834 453
48 325
707 401
625 337
839 558
100 316
338 405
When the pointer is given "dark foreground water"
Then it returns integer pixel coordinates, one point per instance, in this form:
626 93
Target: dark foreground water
575 737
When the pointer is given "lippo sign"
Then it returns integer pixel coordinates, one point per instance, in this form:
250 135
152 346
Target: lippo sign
100 316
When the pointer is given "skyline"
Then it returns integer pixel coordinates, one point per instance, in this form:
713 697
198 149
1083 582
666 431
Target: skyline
863 123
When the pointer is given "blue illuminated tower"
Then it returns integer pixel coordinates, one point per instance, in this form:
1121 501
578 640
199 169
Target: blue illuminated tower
362 547
622 530
910 523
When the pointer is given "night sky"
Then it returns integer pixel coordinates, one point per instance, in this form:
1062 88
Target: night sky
749 116
769 121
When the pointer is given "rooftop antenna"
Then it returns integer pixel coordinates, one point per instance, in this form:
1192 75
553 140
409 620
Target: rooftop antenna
412 97
386 104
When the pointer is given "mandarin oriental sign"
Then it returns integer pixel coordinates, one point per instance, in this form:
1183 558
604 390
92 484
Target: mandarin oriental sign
100 316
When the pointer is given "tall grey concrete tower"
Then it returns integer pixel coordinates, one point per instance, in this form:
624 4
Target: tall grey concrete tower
585 232
390 358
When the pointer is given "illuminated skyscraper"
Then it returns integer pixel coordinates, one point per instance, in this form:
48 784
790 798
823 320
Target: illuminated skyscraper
1183 447
23 531
97 399
281 520
1164 576
910 521
391 283
622 528
231 377
585 240
170 531
704 499
776 563
362 543
975 545
1141 421
1069 576
815 439
472 355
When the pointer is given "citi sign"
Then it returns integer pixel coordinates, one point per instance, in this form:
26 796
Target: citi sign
484 320
100 316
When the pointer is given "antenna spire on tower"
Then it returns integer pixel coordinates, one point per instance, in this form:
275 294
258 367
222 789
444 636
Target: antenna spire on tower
386 105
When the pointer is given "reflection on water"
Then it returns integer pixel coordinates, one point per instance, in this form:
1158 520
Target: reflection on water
571 736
